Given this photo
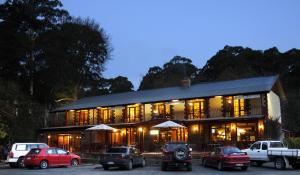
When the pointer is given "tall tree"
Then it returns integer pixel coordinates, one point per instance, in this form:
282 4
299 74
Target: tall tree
74 56
120 84
171 74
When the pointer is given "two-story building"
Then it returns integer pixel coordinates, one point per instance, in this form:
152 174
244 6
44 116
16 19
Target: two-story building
224 112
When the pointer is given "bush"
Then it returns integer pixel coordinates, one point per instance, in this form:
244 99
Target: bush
292 143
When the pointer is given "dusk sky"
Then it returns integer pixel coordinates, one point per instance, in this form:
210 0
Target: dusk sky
149 33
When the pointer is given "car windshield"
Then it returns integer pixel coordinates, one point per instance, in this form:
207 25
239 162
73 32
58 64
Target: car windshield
34 151
276 145
231 150
117 150
173 146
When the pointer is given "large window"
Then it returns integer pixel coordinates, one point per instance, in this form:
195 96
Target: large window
105 115
133 113
239 106
196 109
246 131
220 132
161 110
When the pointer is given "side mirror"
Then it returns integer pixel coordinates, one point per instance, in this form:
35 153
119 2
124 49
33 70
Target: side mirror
68 152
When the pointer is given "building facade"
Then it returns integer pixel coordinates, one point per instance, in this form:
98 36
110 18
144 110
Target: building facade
226 112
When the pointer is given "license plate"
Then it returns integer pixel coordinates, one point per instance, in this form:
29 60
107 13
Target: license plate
239 164
110 163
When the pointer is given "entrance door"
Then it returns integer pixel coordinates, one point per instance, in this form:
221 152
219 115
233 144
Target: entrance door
63 142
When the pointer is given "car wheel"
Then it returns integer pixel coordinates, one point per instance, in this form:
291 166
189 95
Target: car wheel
143 163
105 167
129 165
44 164
164 166
244 168
74 162
189 167
20 162
279 163
180 153
220 166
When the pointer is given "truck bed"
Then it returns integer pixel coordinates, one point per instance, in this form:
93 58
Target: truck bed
295 153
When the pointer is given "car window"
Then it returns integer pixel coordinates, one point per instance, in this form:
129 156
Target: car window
51 151
42 145
231 150
131 151
61 151
218 151
276 145
31 146
34 151
21 147
256 145
117 150
264 146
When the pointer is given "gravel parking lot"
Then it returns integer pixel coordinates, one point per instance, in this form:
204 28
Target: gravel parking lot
155 170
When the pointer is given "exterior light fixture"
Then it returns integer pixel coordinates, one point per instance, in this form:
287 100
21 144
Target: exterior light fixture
49 136
175 100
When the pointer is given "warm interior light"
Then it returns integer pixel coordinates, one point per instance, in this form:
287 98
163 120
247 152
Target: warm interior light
71 110
98 107
154 132
195 128
115 130
191 104
140 129
233 127
155 111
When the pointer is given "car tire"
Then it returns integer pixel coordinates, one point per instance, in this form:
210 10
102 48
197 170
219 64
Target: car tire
244 168
74 163
164 166
44 164
20 162
143 164
182 157
189 167
279 163
105 167
129 165
220 166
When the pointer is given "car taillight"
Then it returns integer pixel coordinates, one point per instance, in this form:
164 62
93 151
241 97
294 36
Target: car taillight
11 155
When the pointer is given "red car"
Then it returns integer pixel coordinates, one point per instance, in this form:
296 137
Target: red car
227 157
49 157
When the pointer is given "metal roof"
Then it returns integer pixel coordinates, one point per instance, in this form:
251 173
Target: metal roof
208 89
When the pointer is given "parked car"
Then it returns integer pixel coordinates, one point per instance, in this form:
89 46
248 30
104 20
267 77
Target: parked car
176 154
273 151
227 157
18 150
50 157
123 156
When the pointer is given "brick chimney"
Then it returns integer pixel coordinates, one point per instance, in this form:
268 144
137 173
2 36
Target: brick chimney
186 83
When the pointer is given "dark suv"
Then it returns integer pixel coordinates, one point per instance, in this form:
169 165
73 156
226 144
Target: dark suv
176 154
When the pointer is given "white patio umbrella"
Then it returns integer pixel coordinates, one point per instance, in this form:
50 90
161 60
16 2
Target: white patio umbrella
168 124
102 127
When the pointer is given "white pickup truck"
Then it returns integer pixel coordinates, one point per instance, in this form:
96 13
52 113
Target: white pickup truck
273 151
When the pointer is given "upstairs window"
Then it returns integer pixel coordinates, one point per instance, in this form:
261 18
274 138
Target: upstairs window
196 109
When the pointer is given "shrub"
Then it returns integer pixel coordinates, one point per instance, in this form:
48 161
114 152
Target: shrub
292 143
